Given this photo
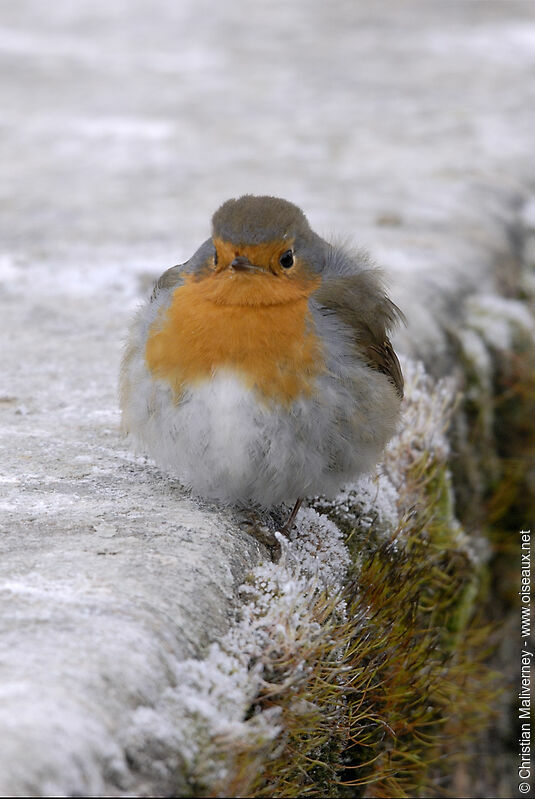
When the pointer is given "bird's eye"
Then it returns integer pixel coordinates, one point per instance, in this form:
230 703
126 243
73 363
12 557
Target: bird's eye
287 259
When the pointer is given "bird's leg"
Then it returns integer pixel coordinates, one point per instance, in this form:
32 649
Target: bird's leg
251 521
289 524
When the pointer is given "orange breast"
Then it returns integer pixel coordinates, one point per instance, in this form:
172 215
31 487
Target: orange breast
271 344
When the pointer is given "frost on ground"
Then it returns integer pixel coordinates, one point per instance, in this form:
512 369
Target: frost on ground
196 726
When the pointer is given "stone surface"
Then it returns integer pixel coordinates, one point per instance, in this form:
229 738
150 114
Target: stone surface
124 125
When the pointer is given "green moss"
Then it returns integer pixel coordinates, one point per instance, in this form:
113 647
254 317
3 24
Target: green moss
494 473
304 689
421 648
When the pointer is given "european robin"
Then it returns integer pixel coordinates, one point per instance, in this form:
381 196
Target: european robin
260 371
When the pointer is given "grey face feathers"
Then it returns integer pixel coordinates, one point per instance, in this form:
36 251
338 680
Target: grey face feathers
254 220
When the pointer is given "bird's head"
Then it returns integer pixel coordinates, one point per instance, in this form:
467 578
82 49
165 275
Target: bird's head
265 246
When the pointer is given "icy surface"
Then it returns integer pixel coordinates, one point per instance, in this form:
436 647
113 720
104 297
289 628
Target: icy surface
123 125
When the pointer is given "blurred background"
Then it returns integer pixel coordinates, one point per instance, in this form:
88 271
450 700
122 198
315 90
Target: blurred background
406 127
125 123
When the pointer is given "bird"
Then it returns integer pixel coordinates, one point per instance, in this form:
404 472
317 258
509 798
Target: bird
260 371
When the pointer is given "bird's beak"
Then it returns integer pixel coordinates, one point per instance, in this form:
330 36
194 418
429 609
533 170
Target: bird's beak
243 264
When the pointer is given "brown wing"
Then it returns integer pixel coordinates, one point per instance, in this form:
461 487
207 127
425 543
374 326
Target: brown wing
385 360
361 303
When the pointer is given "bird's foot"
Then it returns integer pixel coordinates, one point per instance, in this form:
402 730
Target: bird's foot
265 526
253 523
291 519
